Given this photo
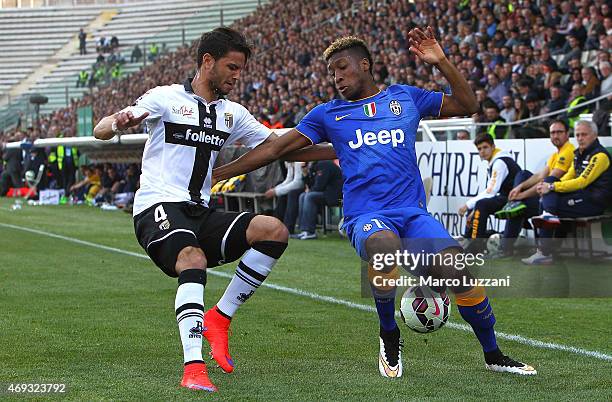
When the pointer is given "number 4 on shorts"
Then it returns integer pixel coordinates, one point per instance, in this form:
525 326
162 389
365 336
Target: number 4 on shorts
160 214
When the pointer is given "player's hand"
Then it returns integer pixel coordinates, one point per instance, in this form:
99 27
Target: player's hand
270 193
515 194
126 120
540 188
425 46
462 210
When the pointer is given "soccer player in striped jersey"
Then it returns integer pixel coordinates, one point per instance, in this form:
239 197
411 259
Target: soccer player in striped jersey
188 124
373 133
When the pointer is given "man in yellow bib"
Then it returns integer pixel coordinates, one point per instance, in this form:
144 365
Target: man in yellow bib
585 190
523 200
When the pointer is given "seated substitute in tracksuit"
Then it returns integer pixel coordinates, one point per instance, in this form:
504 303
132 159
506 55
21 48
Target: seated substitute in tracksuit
585 190
500 178
524 200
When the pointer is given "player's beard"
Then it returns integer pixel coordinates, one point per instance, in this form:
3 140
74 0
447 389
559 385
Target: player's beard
216 88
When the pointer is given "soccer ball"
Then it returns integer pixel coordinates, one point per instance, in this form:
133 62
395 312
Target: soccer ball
494 245
424 310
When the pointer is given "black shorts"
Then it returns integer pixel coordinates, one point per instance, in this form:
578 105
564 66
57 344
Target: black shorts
166 228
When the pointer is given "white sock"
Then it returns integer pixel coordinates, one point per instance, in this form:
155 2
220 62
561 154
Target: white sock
189 306
251 271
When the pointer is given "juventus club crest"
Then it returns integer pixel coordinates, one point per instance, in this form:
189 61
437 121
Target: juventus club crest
229 120
396 107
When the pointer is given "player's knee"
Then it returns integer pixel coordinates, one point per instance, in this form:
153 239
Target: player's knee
267 228
384 241
381 244
190 258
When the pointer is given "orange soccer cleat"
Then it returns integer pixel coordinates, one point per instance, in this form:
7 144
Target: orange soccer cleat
195 377
215 330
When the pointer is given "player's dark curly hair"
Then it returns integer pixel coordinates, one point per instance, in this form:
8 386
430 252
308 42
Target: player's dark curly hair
349 42
220 41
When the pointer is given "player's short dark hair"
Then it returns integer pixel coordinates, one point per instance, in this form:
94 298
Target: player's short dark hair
484 137
349 42
559 121
220 41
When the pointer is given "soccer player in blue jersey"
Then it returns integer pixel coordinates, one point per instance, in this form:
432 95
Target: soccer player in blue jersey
373 134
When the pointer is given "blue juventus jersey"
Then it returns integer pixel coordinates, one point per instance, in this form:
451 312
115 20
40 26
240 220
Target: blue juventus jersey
374 140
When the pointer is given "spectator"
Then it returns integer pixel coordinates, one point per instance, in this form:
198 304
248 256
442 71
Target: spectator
82 79
127 187
114 43
550 75
110 185
508 113
496 89
87 188
100 44
571 50
497 130
606 78
153 51
575 78
288 193
326 189
521 108
590 82
116 72
12 173
82 42
463 135
557 100
574 109
136 55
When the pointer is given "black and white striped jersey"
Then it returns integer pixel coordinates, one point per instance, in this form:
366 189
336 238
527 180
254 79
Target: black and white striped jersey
186 134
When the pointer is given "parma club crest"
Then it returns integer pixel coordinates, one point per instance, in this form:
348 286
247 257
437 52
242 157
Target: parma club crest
229 120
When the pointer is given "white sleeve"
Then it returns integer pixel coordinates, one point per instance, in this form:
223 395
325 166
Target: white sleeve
498 175
149 102
250 132
293 181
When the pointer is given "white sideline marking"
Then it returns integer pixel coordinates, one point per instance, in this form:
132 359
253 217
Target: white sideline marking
333 300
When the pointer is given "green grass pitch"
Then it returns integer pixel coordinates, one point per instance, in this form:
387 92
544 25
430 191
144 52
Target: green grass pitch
102 322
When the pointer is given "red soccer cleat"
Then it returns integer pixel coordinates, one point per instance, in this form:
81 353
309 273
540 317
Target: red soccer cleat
195 377
215 330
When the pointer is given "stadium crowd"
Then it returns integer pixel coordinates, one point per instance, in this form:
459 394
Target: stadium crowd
521 58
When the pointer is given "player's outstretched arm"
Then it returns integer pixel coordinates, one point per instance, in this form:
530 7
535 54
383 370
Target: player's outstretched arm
262 155
463 101
104 130
316 152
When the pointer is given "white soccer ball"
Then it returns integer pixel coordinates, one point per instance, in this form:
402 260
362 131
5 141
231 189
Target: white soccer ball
424 310
494 243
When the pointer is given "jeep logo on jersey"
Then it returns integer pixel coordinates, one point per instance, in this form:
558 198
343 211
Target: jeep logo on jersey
194 136
395 137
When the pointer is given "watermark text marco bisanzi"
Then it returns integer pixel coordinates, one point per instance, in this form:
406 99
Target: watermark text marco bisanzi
412 261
